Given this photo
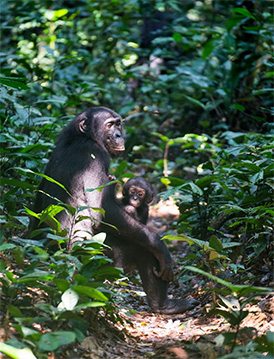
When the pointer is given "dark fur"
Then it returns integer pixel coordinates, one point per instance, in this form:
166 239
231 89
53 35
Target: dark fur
137 208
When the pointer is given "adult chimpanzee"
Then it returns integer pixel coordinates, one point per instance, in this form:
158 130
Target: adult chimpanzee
80 161
137 195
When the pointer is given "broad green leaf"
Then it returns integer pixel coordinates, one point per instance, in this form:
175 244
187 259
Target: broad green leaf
47 216
243 12
5 246
257 177
215 243
190 240
234 317
26 332
208 48
61 284
16 183
37 275
238 107
15 311
251 166
15 353
48 342
196 189
31 213
177 37
233 22
90 292
65 337
59 13
13 83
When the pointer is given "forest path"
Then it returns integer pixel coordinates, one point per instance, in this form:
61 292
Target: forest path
192 335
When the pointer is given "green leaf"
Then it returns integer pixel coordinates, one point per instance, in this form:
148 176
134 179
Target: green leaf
5 246
215 243
120 168
196 102
26 170
100 188
31 213
48 342
177 37
162 137
239 289
257 177
90 292
37 275
89 305
270 338
52 341
233 22
15 311
15 353
61 284
28 332
65 337
15 183
233 317
189 240
59 13
243 12
47 216
238 107
251 166
13 83
209 46
196 189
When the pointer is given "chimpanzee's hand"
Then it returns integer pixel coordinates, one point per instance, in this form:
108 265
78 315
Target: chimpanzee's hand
165 272
111 177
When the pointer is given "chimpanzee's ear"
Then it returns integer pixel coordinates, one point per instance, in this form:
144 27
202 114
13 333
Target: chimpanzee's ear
82 125
150 198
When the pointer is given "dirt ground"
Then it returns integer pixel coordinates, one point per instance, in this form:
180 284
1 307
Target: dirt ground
191 335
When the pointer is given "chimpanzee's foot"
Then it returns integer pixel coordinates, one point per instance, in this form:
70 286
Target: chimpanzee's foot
175 306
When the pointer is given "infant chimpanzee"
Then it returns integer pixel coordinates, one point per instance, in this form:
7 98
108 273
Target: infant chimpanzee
138 194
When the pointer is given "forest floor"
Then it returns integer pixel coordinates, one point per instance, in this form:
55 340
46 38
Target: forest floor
142 334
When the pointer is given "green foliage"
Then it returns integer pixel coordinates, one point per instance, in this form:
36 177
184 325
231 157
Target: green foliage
232 197
214 74
16 353
232 309
56 291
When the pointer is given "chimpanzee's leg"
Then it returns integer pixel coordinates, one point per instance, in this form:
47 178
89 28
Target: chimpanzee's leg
131 256
156 288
